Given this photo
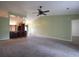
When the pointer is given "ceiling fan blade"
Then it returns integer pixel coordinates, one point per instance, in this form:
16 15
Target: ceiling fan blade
47 11
41 14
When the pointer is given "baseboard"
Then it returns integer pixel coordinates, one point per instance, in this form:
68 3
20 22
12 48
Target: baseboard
44 36
4 39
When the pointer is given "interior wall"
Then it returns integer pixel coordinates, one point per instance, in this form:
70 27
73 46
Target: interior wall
4 25
4 28
58 26
3 13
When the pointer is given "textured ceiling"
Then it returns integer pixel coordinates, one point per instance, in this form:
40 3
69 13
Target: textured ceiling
30 7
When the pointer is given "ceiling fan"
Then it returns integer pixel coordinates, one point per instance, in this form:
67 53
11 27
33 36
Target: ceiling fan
41 12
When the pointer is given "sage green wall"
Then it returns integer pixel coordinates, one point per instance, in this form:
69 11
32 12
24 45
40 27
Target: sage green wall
54 26
4 28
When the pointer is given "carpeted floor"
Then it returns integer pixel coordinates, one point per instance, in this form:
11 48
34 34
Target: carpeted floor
75 39
38 47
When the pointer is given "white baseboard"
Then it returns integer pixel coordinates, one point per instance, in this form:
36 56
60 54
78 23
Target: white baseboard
49 37
4 39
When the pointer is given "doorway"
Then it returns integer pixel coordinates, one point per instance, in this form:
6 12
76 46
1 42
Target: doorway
17 26
75 31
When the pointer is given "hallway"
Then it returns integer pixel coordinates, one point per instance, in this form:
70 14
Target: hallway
38 47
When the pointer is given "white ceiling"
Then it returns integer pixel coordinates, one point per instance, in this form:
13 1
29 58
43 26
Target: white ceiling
30 7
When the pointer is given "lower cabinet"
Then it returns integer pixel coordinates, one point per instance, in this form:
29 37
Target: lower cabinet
18 34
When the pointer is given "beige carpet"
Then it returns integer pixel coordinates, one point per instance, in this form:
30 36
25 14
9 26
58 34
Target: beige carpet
11 41
37 47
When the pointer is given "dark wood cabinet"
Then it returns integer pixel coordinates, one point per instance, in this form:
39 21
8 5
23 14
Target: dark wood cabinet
21 27
19 33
